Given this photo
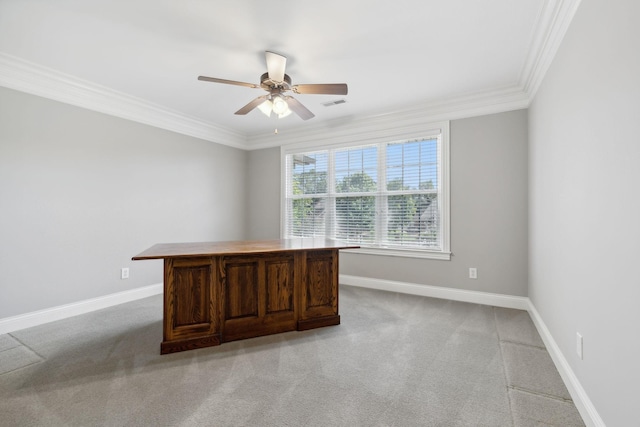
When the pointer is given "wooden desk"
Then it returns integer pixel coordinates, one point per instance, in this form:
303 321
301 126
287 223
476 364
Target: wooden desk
224 291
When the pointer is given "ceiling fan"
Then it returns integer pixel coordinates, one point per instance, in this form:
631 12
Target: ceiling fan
276 82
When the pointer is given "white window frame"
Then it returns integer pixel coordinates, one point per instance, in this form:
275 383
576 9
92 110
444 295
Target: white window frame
430 130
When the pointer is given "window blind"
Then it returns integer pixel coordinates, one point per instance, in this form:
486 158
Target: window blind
384 195
307 182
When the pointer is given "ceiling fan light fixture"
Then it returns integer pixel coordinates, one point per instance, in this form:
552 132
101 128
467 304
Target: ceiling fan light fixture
276 105
280 106
266 107
285 114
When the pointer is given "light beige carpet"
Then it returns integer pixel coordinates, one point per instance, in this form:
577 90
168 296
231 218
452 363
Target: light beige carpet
396 360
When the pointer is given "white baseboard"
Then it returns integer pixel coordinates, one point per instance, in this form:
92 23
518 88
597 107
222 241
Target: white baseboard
578 394
35 318
486 298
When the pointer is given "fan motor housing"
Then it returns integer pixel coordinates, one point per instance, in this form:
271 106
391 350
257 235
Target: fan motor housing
267 84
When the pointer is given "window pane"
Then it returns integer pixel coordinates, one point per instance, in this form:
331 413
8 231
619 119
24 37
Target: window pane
307 217
310 173
346 194
412 165
413 220
356 170
356 219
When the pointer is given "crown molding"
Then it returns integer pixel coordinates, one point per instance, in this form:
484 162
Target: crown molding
409 120
25 76
552 25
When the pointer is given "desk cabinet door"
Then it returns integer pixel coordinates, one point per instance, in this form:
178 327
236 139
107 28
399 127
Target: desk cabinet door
320 288
189 298
257 295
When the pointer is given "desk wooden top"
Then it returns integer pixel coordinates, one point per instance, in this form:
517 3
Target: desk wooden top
196 249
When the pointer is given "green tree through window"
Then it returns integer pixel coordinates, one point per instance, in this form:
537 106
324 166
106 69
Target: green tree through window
356 214
308 213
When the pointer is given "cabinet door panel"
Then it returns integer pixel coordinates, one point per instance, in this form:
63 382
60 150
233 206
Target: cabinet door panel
258 295
320 286
279 276
241 289
189 308
191 295
319 282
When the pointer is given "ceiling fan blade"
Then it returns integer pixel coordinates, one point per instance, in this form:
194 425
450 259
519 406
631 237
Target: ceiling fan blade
228 82
253 104
321 89
299 109
276 64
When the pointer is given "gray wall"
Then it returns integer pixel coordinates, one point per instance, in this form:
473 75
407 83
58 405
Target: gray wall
488 211
584 205
263 194
82 192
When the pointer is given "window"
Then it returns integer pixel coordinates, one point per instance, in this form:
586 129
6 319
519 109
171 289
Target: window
387 197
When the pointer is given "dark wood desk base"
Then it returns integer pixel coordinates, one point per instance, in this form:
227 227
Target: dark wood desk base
226 293
167 347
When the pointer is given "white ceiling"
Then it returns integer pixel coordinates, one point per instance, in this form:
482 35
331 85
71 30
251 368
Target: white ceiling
393 55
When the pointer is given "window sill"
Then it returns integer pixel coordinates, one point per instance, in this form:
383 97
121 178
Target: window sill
407 253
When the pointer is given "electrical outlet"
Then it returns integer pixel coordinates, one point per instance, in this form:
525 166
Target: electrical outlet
579 345
124 273
473 273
